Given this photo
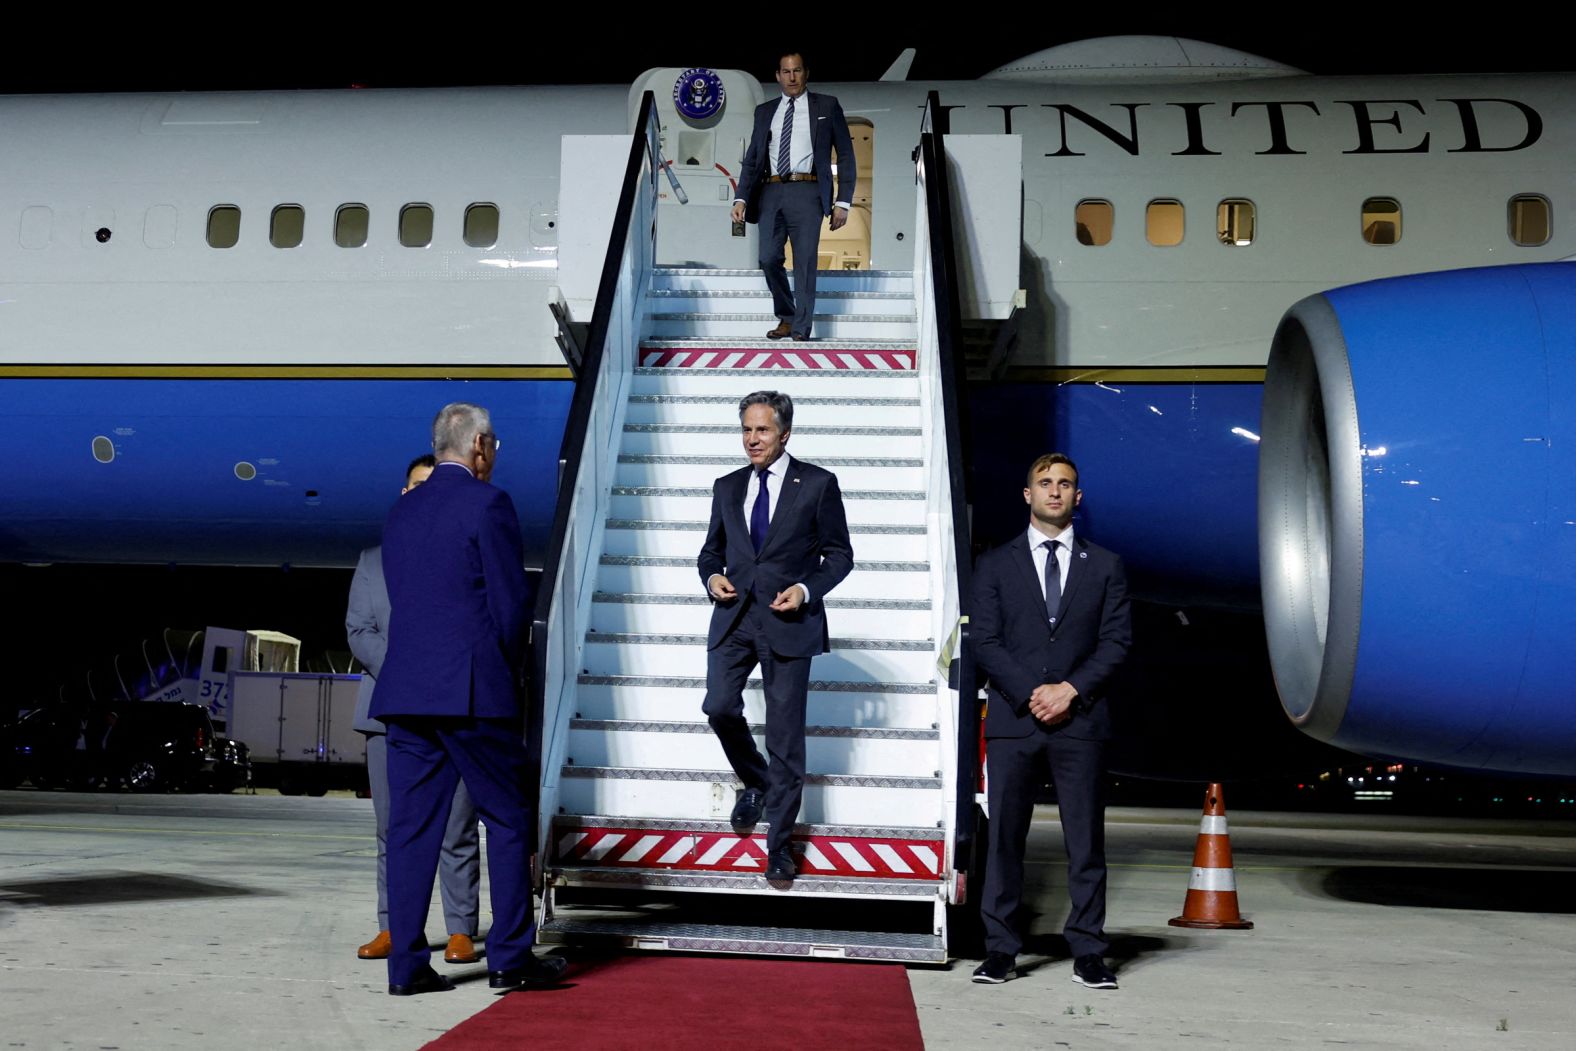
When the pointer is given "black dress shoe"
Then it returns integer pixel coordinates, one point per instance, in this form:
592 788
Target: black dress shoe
429 981
779 866
1091 971
997 968
801 337
747 811
537 970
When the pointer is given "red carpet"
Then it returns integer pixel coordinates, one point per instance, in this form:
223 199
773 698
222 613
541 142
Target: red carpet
684 1003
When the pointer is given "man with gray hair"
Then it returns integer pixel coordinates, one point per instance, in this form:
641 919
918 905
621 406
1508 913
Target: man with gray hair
450 697
777 543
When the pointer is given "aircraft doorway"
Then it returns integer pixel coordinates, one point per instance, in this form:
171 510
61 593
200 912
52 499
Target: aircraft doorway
849 248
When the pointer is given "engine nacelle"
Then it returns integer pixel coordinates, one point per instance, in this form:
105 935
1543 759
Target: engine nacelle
1417 517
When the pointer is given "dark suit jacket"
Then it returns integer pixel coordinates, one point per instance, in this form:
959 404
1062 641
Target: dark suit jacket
807 544
1015 646
455 568
828 127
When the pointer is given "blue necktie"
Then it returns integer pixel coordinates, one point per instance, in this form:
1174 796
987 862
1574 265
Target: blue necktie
784 160
761 513
1053 581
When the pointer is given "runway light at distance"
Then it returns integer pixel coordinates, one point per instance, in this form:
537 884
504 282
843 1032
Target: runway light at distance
1245 433
1379 451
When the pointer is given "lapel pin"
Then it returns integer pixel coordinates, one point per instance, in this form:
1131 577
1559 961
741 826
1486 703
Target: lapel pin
1083 554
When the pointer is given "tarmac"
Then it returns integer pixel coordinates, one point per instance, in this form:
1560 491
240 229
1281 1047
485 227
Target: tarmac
172 922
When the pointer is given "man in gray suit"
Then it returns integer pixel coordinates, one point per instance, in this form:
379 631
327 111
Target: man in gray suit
785 184
460 863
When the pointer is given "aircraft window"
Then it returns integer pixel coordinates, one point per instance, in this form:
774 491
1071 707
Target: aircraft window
1092 222
1163 223
1234 221
1382 221
224 226
350 225
415 225
287 226
1529 219
481 225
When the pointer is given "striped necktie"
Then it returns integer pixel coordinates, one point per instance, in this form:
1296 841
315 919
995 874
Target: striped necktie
785 144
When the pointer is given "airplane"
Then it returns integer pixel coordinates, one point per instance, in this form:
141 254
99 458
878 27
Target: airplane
222 307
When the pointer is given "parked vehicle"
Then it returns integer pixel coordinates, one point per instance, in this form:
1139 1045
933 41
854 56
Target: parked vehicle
149 746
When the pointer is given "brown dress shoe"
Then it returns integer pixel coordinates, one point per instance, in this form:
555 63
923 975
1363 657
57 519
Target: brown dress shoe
782 331
460 950
376 949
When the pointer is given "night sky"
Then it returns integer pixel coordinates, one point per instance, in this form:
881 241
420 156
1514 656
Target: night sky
381 51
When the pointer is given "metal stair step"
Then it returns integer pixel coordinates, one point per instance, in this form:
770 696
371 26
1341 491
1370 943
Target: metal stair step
742 882
809 411
854 472
683 538
809 442
614 653
773 941
758 300
736 383
831 750
709 794
659 502
708 278
634 574
659 698
691 614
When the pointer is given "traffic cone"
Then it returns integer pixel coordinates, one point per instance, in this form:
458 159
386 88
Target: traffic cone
1212 889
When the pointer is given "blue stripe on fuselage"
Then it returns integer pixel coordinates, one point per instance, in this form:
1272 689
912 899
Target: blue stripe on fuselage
171 493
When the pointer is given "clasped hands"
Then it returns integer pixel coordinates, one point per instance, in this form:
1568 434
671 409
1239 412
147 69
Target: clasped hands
787 600
1051 703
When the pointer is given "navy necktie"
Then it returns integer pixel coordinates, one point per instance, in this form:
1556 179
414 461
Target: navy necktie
784 158
761 513
1053 581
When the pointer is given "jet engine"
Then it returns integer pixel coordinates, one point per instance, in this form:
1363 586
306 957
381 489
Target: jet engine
1417 517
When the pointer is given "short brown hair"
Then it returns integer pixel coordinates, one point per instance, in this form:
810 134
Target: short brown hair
1046 462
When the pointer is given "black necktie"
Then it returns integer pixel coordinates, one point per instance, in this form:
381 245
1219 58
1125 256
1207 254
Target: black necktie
761 513
1053 581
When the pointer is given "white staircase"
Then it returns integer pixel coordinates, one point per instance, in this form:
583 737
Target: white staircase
643 790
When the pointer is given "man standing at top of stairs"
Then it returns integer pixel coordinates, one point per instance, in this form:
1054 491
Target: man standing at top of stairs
776 545
785 185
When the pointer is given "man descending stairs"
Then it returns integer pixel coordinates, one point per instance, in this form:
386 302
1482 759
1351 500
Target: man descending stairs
646 793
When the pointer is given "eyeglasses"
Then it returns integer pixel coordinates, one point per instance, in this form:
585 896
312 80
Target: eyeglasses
496 441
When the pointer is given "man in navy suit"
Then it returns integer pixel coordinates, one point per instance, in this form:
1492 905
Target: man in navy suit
777 543
460 862
785 185
1050 624
450 697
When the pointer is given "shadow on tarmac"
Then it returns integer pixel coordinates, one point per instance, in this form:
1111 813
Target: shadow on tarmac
119 888
1480 889
1126 949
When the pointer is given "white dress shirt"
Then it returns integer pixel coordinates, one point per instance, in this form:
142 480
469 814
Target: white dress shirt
774 487
1064 555
801 145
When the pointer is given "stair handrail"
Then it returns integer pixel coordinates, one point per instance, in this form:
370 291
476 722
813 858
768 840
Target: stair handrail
937 281
601 387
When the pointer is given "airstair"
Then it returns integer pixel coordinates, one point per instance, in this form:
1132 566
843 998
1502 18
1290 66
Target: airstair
636 845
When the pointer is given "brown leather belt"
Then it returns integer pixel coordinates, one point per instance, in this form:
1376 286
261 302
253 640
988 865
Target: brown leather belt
805 177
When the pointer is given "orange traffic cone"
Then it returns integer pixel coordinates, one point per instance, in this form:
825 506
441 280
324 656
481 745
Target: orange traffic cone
1212 889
